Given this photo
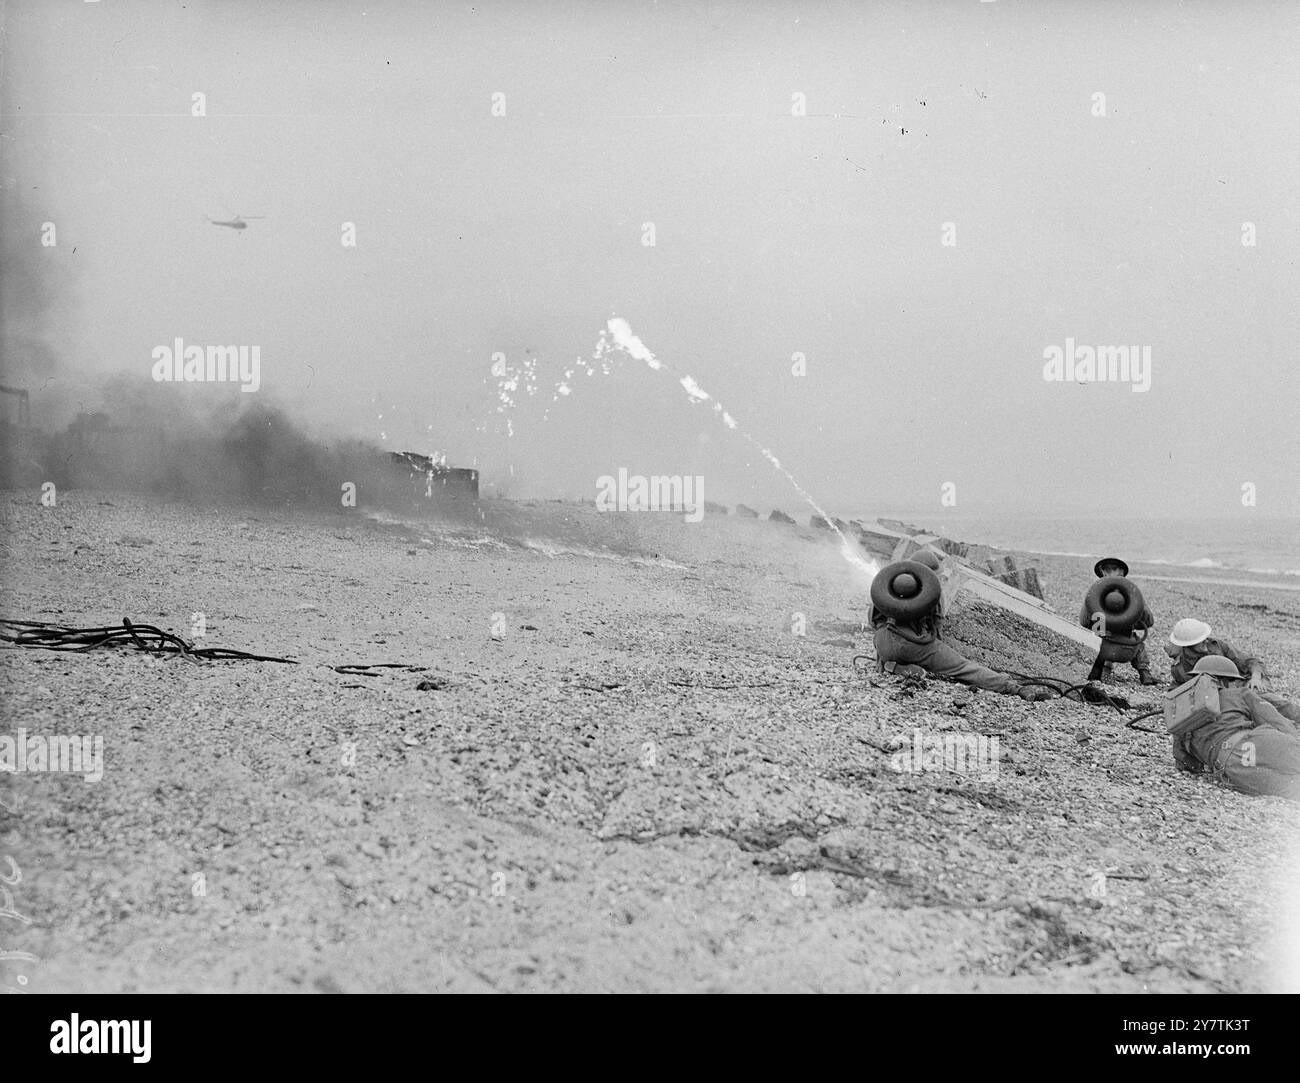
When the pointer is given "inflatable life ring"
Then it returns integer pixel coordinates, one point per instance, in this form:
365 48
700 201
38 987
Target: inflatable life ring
905 591
1118 601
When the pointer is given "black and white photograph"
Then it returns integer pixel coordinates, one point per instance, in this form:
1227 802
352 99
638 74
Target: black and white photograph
648 496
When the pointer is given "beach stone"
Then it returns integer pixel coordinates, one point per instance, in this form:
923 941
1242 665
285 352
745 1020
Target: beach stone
899 526
503 759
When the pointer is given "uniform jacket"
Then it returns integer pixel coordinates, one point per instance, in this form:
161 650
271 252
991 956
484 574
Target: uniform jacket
1186 658
1145 621
928 629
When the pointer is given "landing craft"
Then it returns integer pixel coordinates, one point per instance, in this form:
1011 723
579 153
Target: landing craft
238 222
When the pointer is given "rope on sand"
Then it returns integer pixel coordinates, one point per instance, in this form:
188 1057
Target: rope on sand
41 635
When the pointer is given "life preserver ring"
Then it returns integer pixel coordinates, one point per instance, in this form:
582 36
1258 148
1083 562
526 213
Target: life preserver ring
906 590
1119 602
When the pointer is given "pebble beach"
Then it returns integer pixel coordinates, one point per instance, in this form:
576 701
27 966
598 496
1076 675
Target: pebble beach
569 751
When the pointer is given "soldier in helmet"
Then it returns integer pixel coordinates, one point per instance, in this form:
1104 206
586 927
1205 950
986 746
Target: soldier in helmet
1191 640
1128 645
1250 745
910 643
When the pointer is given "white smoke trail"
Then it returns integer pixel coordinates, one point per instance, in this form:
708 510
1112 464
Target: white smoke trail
619 332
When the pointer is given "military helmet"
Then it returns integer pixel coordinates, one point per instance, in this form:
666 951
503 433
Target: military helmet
1096 568
1188 632
1217 666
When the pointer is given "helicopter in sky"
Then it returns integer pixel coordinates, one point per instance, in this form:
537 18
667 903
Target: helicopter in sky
238 222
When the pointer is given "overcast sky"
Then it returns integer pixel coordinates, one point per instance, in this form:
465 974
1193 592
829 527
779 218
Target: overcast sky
774 234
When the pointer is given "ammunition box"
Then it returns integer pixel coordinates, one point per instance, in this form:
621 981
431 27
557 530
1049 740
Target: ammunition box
1191 705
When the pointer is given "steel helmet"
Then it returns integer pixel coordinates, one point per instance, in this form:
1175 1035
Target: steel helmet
1217 666
1096 568
1188 632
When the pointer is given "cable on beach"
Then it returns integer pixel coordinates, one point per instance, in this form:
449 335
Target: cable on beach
1088 693
41 635
1132 723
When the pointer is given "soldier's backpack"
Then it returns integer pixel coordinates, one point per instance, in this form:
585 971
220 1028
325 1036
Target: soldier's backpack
1191 705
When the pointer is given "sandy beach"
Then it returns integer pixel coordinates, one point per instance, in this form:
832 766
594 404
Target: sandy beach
611 764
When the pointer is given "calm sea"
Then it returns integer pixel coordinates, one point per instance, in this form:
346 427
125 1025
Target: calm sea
1243 543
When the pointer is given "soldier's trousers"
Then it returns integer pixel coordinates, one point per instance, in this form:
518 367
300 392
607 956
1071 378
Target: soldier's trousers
895 654
1284 706
1120 652
1263 761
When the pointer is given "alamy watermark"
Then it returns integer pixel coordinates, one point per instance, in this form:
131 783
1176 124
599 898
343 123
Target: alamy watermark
112 1036
57 753
638 493
959 753
1102 364
216 364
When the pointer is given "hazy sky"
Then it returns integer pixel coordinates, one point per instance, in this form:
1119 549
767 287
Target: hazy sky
774 233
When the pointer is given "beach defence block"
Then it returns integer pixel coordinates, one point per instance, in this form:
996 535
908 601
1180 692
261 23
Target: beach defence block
746 512
980 555
1014 600
937 542
897 526
778 516
711 508
818 523
908 547
909 530
1191 705
432 479
880 541
1029 582
1025 579
1001 565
